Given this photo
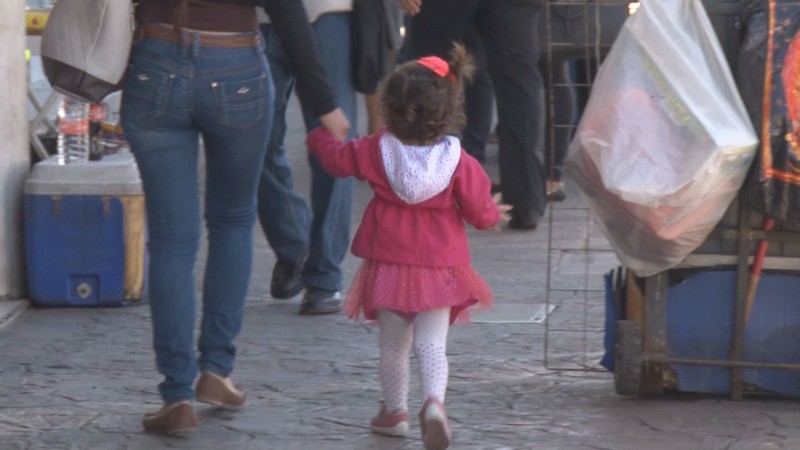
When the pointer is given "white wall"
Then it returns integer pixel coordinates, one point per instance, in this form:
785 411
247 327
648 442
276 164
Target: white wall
14 154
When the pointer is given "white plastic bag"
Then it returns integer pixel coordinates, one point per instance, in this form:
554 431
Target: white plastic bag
85 46
665 141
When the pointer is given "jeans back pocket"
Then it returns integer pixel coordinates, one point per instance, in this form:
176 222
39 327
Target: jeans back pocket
241 104
146 93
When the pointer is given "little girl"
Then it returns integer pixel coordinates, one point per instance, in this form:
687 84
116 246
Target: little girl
416 277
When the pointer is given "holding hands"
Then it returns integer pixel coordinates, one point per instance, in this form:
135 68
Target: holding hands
336 123
411 6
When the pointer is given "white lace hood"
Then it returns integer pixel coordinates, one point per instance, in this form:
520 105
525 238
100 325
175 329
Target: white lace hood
419 173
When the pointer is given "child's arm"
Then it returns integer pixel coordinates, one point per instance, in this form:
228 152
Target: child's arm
473 193
339 159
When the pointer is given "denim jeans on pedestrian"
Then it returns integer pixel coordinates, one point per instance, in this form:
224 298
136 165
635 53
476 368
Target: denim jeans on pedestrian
173 94
291 230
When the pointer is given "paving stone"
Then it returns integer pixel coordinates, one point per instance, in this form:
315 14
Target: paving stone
83 378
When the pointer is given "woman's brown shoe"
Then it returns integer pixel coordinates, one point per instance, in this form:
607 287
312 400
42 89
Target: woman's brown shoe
218 391
175 418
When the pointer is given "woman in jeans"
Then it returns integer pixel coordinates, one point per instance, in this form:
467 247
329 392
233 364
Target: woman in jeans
198 69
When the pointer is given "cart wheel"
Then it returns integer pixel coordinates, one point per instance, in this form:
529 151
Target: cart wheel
627 358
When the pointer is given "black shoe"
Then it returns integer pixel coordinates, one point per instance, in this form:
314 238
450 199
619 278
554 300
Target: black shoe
320 301
286 281
524 219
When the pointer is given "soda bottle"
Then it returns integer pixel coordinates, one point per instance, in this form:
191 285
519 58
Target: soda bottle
73 130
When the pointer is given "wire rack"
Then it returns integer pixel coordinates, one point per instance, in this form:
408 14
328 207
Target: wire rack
578 254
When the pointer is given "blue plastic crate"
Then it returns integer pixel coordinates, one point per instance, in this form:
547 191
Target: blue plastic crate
700 317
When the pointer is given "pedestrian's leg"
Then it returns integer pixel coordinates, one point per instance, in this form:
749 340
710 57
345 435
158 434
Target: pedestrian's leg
165 144
283 213
560 118
510 38
331 197
235 117
430 348
395 346
478 100
331 202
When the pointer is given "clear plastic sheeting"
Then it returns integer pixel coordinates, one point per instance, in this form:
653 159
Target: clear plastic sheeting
665 142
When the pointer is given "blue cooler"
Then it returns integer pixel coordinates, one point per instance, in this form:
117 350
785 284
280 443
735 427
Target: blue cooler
85 233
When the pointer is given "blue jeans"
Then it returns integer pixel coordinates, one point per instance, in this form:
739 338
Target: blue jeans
173 94
290 228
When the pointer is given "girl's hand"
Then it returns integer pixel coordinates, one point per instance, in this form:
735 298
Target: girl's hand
336 123
503 209
411 6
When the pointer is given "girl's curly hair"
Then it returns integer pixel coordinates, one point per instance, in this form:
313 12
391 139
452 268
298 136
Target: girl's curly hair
419 106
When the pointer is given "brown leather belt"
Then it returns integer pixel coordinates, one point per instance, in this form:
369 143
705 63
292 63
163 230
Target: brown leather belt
205 38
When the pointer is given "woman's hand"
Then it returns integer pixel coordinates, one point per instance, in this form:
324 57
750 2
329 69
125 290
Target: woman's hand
336 123
503 209
411 6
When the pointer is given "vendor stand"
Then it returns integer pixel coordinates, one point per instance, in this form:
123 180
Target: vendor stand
708 325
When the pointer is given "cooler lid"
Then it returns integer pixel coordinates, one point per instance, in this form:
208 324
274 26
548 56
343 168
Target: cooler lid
115 174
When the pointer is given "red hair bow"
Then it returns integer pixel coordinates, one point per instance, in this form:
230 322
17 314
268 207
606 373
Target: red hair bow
437 65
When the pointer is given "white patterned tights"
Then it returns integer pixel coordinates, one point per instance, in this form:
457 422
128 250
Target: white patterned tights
429 330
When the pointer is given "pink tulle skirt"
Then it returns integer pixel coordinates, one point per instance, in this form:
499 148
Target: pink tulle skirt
410 289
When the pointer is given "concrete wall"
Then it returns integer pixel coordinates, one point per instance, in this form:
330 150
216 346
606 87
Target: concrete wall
14 154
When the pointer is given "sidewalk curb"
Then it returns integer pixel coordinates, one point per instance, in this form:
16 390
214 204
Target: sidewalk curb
10 310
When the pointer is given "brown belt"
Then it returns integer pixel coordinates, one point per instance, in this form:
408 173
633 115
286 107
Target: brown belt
205 39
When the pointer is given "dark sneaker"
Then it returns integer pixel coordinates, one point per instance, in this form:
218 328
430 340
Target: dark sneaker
435 427
175 418
390 423
320 301
286 280
218 391
524 219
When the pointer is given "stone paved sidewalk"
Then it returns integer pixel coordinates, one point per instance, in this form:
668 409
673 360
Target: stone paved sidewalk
83 378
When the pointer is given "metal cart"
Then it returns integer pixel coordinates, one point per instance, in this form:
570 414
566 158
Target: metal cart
642 353
643 360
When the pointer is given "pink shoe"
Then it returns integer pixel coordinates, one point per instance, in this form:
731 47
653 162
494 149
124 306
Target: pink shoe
435 427
390 423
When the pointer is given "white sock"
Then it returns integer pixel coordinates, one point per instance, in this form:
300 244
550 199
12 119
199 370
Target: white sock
430 347
395 345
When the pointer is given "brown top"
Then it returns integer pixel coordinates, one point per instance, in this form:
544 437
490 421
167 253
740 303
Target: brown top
206 15
289 20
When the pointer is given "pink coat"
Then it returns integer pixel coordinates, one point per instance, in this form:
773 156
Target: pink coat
430 233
